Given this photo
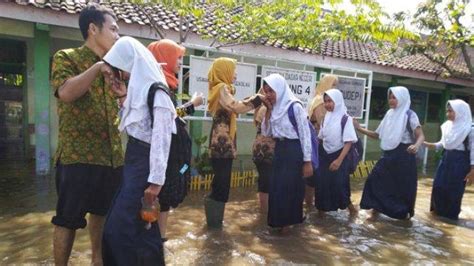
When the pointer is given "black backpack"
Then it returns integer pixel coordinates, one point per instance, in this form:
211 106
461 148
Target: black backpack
178 172
354 156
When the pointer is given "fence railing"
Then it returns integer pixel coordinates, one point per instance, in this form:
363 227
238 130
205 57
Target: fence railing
249 178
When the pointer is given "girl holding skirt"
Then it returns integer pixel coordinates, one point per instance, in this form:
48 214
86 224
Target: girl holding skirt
292 156
457 164
391 186
316 112
332 182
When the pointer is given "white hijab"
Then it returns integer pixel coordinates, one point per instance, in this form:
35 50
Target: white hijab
393 125
455 132
131 56
340 109
284 96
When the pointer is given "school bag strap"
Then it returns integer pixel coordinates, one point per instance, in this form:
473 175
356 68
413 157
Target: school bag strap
151 97
410 131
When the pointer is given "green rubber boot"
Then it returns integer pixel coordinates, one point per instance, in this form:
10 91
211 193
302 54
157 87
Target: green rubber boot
214 212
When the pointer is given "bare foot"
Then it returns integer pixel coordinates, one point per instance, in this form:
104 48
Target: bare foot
353 211
373 217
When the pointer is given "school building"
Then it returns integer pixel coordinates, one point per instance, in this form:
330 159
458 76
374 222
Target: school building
31 31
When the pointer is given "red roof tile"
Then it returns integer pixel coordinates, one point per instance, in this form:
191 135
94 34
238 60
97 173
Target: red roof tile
347 49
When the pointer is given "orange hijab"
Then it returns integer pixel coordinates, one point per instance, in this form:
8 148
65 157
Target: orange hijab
167 51
221 74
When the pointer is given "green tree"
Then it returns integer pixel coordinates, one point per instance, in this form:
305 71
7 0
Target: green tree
440 36
307 24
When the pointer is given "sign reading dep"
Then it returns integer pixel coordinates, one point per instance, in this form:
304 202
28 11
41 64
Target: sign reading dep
353 90
302 83
245 84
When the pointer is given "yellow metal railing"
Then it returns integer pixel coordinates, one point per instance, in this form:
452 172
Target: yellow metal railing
249 178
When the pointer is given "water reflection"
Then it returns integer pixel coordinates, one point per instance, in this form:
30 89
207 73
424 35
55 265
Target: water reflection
27 205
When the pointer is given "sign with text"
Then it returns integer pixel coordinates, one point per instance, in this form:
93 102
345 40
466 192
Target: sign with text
353 90
245 84
302 83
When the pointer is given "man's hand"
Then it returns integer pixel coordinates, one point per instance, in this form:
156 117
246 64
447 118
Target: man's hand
307 169
151 193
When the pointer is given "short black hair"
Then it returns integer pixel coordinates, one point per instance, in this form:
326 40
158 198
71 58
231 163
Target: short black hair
93 13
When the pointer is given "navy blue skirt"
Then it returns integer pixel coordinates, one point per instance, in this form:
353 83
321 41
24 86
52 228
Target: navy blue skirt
449 184
391 186
125 239
286 186
332 188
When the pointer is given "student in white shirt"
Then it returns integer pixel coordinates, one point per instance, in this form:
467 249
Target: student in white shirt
292 155
391 186
332 183
457 165
126 239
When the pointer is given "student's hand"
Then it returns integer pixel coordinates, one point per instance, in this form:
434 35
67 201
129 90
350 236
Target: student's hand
334 166
413 149
197 99
151 193
119 89
356 123
470 177
307 169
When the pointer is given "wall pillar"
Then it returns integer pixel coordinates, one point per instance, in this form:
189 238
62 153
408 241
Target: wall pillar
42 92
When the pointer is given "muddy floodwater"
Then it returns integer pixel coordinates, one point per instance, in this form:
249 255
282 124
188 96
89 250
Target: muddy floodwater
27 204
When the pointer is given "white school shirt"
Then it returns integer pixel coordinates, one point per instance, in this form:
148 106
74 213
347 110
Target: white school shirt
407 138
283 128
159 137
334 140
470 146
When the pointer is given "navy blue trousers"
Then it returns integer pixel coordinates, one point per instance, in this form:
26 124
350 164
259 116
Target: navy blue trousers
286 186
391 186
449 184
125 239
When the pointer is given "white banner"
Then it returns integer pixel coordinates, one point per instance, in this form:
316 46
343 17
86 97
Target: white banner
245 84
301 82
353 90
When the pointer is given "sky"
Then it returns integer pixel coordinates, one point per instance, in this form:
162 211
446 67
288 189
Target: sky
394 6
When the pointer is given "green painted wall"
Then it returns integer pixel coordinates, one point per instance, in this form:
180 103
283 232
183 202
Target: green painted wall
42 106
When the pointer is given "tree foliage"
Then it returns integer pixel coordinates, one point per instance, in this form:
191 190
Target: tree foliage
442 38
309 23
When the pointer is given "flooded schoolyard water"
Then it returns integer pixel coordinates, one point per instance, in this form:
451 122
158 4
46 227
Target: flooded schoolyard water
27 204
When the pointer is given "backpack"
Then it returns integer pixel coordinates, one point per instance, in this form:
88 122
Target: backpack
412 135
354 156
178 174
314 136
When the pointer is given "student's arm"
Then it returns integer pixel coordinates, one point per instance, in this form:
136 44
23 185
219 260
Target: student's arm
367 132
305 138
334 166
470 176
420 138
159 150
432 145
189 107
230 103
